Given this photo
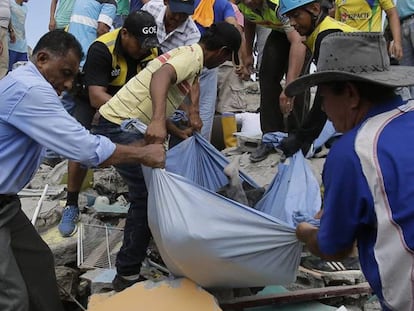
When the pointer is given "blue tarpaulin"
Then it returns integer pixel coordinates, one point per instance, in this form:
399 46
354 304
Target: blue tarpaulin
216 241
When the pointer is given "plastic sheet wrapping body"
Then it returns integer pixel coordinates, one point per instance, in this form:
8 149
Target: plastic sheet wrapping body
294 189
196 159
215 241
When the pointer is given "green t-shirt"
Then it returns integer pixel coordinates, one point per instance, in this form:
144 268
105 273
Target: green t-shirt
63 12
122 7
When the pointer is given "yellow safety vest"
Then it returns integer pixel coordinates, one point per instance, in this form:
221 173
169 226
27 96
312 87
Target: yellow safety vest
328 23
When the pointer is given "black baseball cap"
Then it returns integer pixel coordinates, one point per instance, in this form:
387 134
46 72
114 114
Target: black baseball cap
181 6
142 25
229 36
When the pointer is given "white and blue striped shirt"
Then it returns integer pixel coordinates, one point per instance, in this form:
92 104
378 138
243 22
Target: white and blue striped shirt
185 34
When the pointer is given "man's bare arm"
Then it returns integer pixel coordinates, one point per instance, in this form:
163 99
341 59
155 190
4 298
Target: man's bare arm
308 234
161 81
52 20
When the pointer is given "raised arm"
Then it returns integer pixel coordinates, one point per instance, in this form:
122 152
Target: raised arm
52 20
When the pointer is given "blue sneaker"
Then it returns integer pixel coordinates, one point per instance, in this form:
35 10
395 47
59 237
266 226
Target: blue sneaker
67 225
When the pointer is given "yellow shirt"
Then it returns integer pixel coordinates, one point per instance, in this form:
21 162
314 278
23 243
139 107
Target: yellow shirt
328 23
133 100
365 15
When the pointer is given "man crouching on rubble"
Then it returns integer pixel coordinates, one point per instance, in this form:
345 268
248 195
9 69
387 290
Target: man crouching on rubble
32 118
369 172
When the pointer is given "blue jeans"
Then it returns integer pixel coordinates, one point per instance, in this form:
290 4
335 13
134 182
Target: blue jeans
273 67
407 29
119 21
208 96
136 231
15 57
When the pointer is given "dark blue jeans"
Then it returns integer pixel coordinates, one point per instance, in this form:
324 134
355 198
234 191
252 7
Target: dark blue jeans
136 232
274 65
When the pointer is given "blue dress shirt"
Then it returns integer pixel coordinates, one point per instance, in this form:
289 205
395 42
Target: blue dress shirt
31 118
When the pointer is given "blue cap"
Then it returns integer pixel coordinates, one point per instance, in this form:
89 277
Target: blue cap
182 6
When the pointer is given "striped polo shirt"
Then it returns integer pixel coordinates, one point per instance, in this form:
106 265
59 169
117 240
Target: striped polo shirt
133 100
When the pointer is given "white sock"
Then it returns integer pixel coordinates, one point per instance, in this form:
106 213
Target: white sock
131 277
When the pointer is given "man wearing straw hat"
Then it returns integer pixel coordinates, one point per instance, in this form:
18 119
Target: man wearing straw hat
368 174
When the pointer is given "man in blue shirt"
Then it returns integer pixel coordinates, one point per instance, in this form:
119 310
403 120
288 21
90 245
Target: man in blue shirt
368 174
32 118
91 19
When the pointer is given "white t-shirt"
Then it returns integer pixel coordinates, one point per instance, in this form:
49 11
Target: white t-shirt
4 13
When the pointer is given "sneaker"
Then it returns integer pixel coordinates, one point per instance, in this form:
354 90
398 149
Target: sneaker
320 265
67 226
261 153
119 283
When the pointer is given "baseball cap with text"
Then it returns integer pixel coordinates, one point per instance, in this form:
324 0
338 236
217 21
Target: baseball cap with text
142 25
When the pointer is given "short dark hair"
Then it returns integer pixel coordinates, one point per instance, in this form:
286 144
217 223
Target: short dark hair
221 34
326 5
59 43
372 92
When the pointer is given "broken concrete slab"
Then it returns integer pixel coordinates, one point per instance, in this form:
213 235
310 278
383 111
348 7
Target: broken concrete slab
68 280
29 205
173 295
262 172
108 181
63 249
99 279
53 190
114 210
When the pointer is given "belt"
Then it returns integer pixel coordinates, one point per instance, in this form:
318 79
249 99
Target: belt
96 117
406 18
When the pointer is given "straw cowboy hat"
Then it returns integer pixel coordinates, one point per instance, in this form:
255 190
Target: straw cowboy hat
354 56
